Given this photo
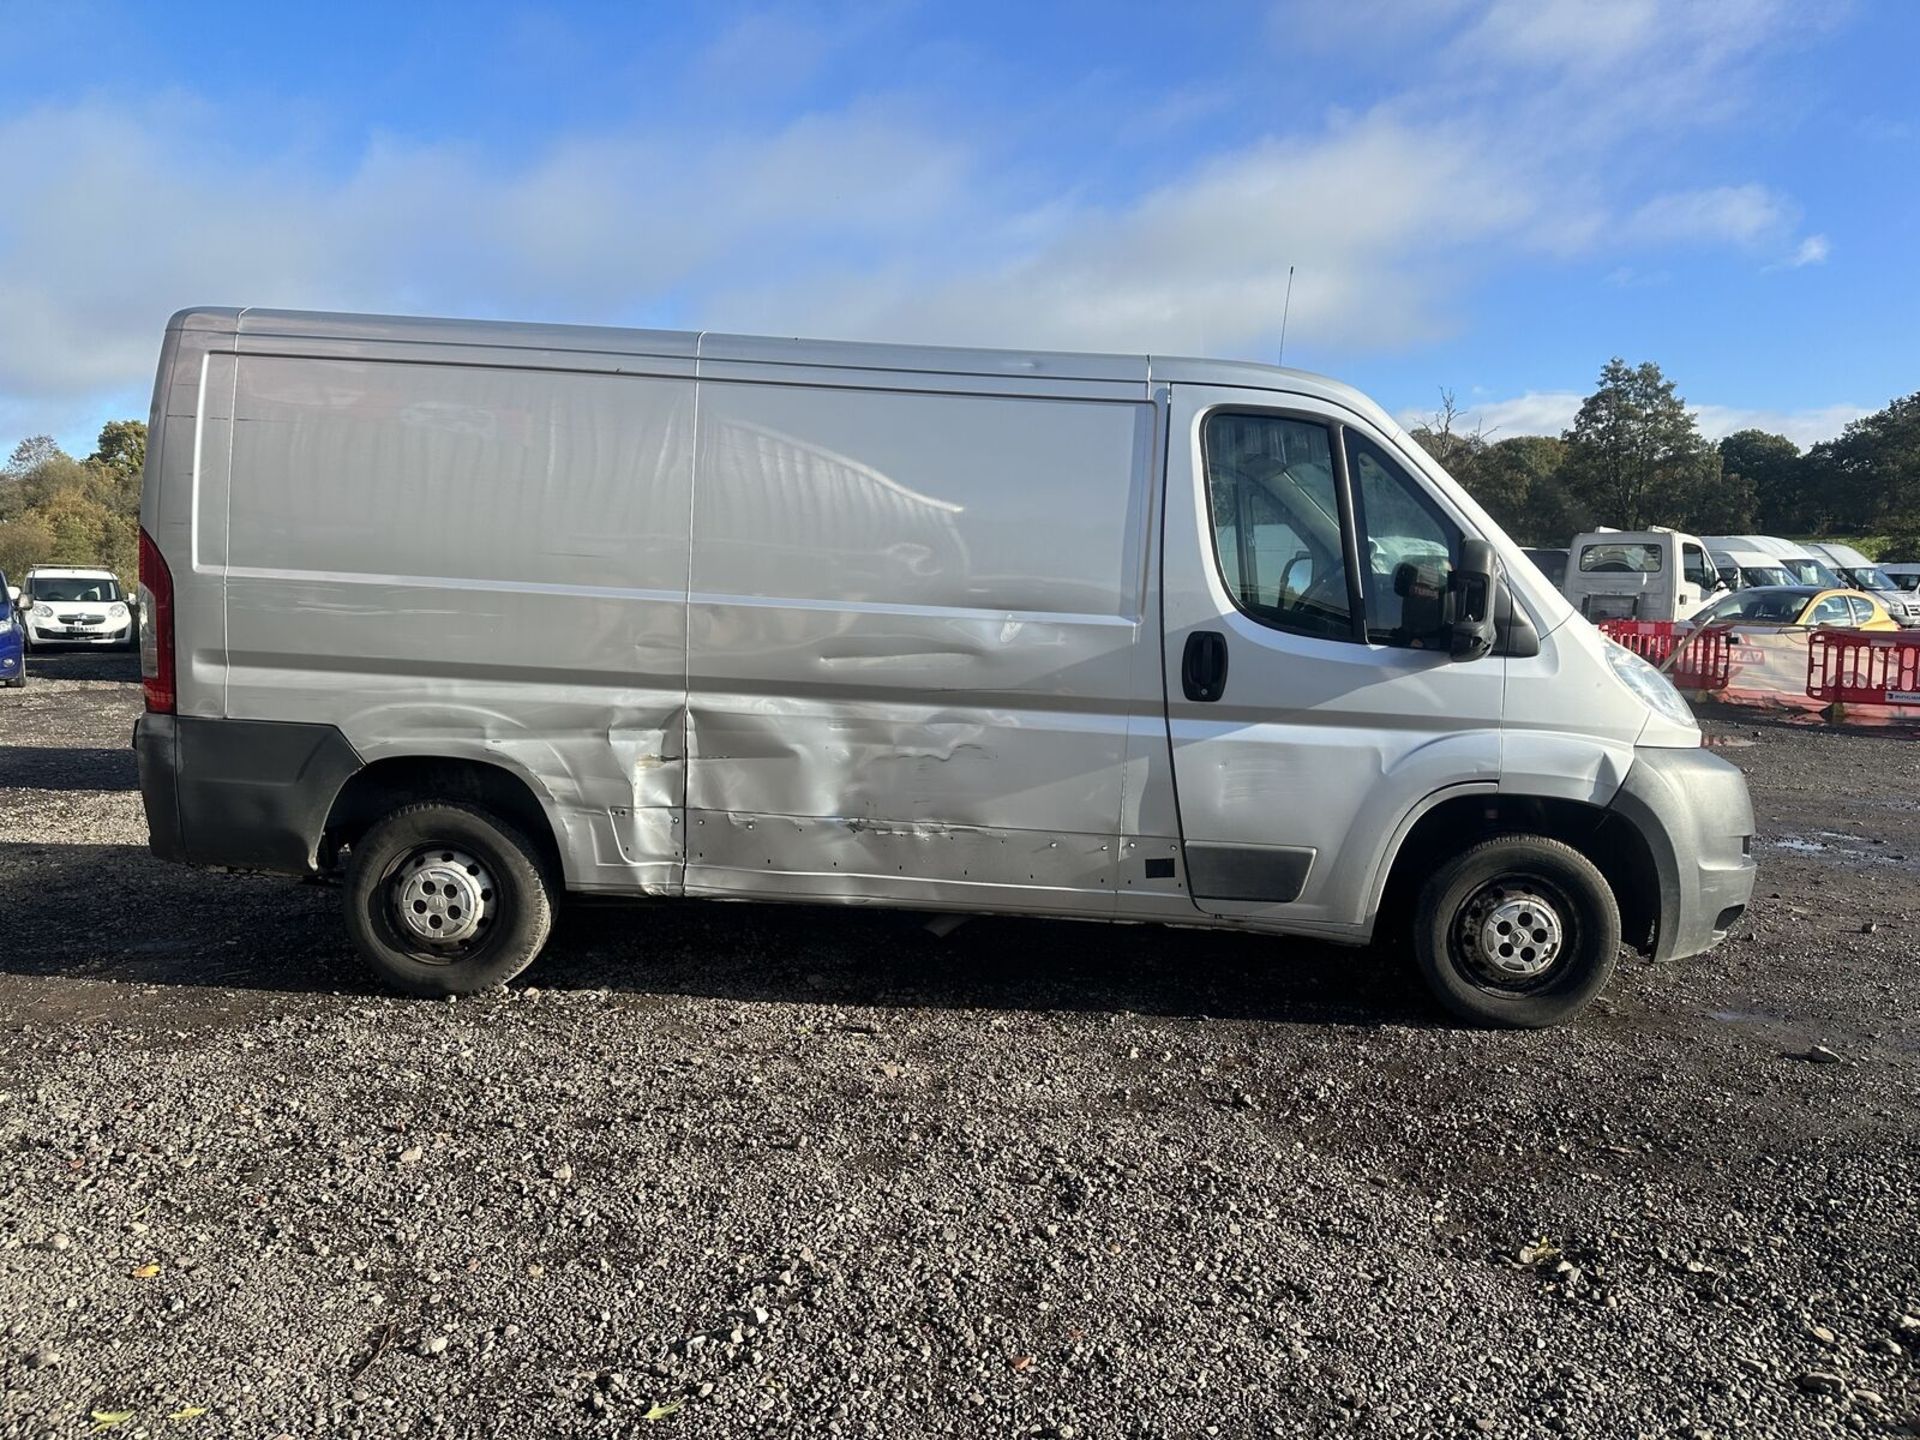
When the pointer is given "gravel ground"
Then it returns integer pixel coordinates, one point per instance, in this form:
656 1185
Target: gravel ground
717 1170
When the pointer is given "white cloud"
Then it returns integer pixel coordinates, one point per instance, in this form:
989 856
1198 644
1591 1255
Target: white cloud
1803 427
117 217
1547 412
1722 214
1551 412
1372 214
1568 32
1812 251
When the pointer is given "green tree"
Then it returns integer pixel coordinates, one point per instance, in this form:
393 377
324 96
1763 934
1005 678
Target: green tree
58 510
1771 466
1721 502
1634 453
118 459
24 542
31 452
1521 475
122 446
1868 478
1457 449
79 525
35 487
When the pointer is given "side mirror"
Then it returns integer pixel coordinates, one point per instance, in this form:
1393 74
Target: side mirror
1471 589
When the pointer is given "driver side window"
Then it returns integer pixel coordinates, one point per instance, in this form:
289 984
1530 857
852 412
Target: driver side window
1276 521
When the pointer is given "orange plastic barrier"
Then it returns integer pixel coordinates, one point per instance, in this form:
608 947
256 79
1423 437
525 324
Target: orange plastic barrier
1703 661
1651 640
1859 667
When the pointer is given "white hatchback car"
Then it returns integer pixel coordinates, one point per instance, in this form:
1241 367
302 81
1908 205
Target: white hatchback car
63 606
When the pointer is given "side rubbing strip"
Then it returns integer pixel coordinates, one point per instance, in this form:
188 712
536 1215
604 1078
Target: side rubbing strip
1271 873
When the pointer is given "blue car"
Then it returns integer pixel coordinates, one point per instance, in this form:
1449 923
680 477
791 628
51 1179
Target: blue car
13 639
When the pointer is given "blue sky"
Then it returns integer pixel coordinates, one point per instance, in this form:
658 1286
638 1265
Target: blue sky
1491 196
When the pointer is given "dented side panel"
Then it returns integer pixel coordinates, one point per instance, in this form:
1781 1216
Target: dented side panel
913 636
477 562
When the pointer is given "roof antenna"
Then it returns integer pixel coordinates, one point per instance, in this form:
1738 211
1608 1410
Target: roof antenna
1285 310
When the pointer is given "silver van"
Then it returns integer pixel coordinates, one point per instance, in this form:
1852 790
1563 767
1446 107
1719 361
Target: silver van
472 614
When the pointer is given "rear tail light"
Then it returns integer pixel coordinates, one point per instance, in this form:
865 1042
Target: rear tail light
156 627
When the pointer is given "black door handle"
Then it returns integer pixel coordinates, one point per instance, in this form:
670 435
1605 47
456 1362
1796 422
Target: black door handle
1203 666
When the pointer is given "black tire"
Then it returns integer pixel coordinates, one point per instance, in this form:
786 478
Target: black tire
445 837
1474 966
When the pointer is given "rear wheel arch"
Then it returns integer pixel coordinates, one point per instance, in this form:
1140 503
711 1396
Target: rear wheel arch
1604 836
385 785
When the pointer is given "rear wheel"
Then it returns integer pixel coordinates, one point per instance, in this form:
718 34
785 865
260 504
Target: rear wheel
446 899
1518 931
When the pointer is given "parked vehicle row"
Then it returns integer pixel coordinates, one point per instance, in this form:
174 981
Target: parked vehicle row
1667 575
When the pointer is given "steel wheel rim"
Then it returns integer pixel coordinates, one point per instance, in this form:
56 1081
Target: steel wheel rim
1513 935
441 901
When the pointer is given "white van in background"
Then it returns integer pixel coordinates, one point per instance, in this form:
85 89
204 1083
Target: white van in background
1743 569
472 615
1803 567
1862 574
1640 575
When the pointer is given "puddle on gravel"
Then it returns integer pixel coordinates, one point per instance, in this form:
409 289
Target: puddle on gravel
1838 845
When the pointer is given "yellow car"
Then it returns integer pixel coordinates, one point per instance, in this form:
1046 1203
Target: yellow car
1806 605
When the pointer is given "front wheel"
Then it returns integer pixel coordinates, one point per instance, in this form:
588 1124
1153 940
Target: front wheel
446 899
1518 931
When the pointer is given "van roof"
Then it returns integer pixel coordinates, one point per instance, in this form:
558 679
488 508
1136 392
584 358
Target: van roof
253 325
73 572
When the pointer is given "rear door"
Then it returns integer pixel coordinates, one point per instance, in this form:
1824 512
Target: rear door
1308 712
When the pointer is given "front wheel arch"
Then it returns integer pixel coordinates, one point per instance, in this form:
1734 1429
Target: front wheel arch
1604 836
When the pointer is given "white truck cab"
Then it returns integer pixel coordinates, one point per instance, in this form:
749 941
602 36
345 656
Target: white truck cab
67 605
1640 575
1112 637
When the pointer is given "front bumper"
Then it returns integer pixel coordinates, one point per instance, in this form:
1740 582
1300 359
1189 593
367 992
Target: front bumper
100 637
1691 808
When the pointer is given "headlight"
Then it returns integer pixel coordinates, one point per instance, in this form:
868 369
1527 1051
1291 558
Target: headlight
116 612
1653 688
43 612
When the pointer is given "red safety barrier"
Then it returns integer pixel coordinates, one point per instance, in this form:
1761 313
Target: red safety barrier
1702 661
1864 667
1651 640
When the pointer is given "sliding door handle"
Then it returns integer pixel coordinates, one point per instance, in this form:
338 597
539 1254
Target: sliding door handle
1203 666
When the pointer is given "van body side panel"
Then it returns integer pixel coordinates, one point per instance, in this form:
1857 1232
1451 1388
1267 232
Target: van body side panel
480 562
913 631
